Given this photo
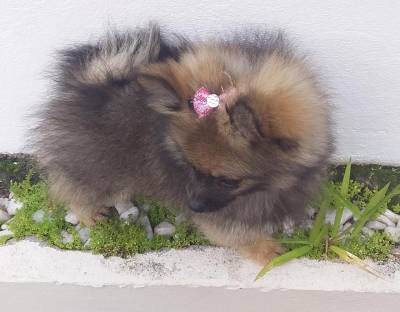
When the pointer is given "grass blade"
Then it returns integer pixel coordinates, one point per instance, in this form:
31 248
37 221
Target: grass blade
354 260
293 254
371 209
394 192
321 235
320 219
377 198
347 203
338 218
344 189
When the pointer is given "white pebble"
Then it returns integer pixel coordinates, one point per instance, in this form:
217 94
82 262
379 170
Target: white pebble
84 234
386 220
38 216
395 218
66 237
13 206
70 217
123 206
367 232
165 229
375 225
145 222
3 203
131 214
4 216
6 233
393 233
4 226
346 216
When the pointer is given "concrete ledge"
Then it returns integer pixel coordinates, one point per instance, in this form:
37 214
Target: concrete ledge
34 262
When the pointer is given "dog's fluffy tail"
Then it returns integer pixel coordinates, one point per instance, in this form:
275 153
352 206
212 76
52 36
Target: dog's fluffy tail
114 58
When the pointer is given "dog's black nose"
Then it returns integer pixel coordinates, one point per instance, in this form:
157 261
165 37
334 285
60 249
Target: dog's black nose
197 205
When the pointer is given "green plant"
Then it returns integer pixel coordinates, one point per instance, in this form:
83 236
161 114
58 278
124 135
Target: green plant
326 239
113 237
376 247
35 197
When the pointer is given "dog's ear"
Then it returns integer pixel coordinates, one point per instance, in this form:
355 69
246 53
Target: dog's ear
243 120
161 88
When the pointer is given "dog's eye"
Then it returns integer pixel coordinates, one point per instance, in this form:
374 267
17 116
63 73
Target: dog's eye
228 183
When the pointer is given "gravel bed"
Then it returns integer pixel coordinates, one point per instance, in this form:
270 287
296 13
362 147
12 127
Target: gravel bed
388 222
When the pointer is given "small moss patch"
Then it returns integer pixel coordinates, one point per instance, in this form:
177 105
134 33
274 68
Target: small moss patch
35 197
376 247
113 237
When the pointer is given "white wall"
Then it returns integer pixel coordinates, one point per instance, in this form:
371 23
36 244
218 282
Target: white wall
356 44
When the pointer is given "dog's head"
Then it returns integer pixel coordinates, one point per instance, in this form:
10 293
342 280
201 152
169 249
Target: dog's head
272 120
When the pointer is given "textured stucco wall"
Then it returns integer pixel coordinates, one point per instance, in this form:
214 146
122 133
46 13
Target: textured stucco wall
355 43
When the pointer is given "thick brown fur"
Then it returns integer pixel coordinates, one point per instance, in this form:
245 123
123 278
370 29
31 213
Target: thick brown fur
121 124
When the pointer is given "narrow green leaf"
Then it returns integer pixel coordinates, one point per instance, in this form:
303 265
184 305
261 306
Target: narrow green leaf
347 203
376 202
320 219
357 227
293 254
338 218
321 235
354 260
377 198
394 192
344 189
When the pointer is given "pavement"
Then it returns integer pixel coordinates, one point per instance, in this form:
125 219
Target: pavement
60 298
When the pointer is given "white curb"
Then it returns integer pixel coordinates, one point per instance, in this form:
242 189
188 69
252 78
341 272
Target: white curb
28 261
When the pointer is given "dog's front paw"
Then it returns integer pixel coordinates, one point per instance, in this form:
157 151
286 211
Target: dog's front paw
89 217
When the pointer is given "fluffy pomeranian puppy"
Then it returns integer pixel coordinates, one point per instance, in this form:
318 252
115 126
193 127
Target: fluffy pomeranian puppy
123 122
